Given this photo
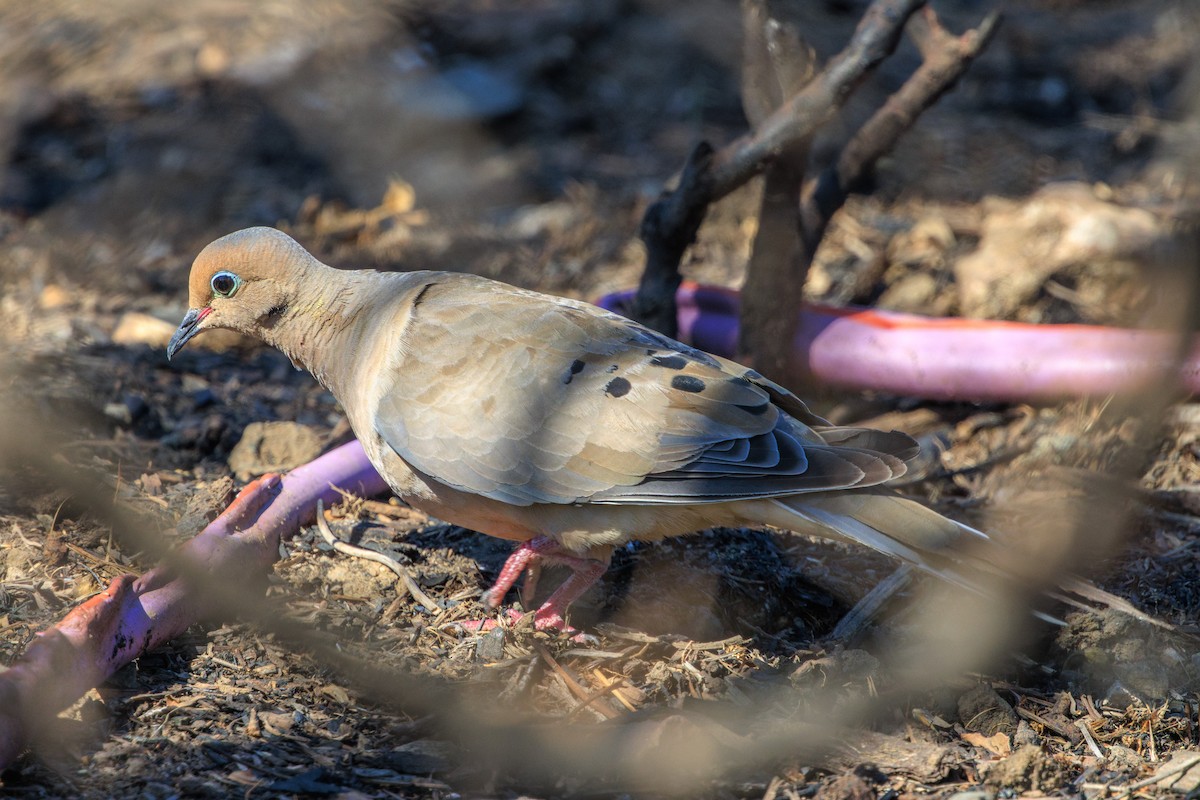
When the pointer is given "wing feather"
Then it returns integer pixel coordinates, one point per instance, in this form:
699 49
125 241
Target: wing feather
529 399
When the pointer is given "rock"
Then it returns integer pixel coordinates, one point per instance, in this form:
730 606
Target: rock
273 447
135 327
118 412
847 787
1123 759
53 296
914 293
978 793
1023 243
1027 768
490 646
983 710
1025 735
1182 773
1120 696
422 757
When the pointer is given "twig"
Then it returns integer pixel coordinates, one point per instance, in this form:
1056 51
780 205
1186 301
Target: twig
596 694
770 321
866 609
1062 730
615 685
576 688
874 40
668 227
1091 740
945 58
379 558
1182 766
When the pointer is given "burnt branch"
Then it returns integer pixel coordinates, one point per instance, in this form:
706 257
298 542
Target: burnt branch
670 224
799 118
945 58
777 64
668 227
775 280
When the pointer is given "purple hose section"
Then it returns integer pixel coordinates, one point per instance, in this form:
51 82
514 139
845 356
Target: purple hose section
134 615
943 359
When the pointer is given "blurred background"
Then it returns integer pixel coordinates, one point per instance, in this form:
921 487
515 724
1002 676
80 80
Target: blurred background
523 140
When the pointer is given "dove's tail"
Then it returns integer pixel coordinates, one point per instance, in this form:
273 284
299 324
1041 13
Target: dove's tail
888 523
915 534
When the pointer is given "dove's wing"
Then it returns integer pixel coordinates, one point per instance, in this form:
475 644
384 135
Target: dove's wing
527 399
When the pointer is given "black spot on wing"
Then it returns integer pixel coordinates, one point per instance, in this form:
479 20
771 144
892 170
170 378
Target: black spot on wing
617 387
687 383
669 362
575 368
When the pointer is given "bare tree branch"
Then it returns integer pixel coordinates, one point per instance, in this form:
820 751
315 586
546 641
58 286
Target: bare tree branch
670 224
946 58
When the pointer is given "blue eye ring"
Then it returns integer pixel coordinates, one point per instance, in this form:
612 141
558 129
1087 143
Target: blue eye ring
225 283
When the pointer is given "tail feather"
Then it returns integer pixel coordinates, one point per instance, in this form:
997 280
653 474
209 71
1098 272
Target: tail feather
914 533
889 523
894 443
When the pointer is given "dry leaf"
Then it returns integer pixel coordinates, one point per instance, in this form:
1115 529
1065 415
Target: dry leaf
997 744
337 693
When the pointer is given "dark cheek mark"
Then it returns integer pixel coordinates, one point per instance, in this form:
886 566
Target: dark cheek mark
686 383
669 362
575 369
272 317
617 387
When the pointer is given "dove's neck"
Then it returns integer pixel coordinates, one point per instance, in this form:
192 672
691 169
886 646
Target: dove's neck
326 326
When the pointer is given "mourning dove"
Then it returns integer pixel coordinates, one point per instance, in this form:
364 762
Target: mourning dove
554 423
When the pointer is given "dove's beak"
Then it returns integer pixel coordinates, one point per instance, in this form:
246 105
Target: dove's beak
187 329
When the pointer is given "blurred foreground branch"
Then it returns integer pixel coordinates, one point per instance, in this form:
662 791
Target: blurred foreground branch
135 615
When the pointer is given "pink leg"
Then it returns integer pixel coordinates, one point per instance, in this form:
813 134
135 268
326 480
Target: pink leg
527 556
512 569
586 571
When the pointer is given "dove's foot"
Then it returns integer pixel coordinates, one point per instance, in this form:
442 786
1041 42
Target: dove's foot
551 615
512 617
528 558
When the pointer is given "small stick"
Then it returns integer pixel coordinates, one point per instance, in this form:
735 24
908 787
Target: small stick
379 558
1182 766
866 609
1091 740
576 688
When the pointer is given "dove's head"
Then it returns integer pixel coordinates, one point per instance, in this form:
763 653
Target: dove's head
243 281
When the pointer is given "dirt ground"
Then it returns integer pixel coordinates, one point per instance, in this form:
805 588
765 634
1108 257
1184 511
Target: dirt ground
523 141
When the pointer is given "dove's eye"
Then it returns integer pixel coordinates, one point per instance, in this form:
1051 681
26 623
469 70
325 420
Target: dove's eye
224 284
